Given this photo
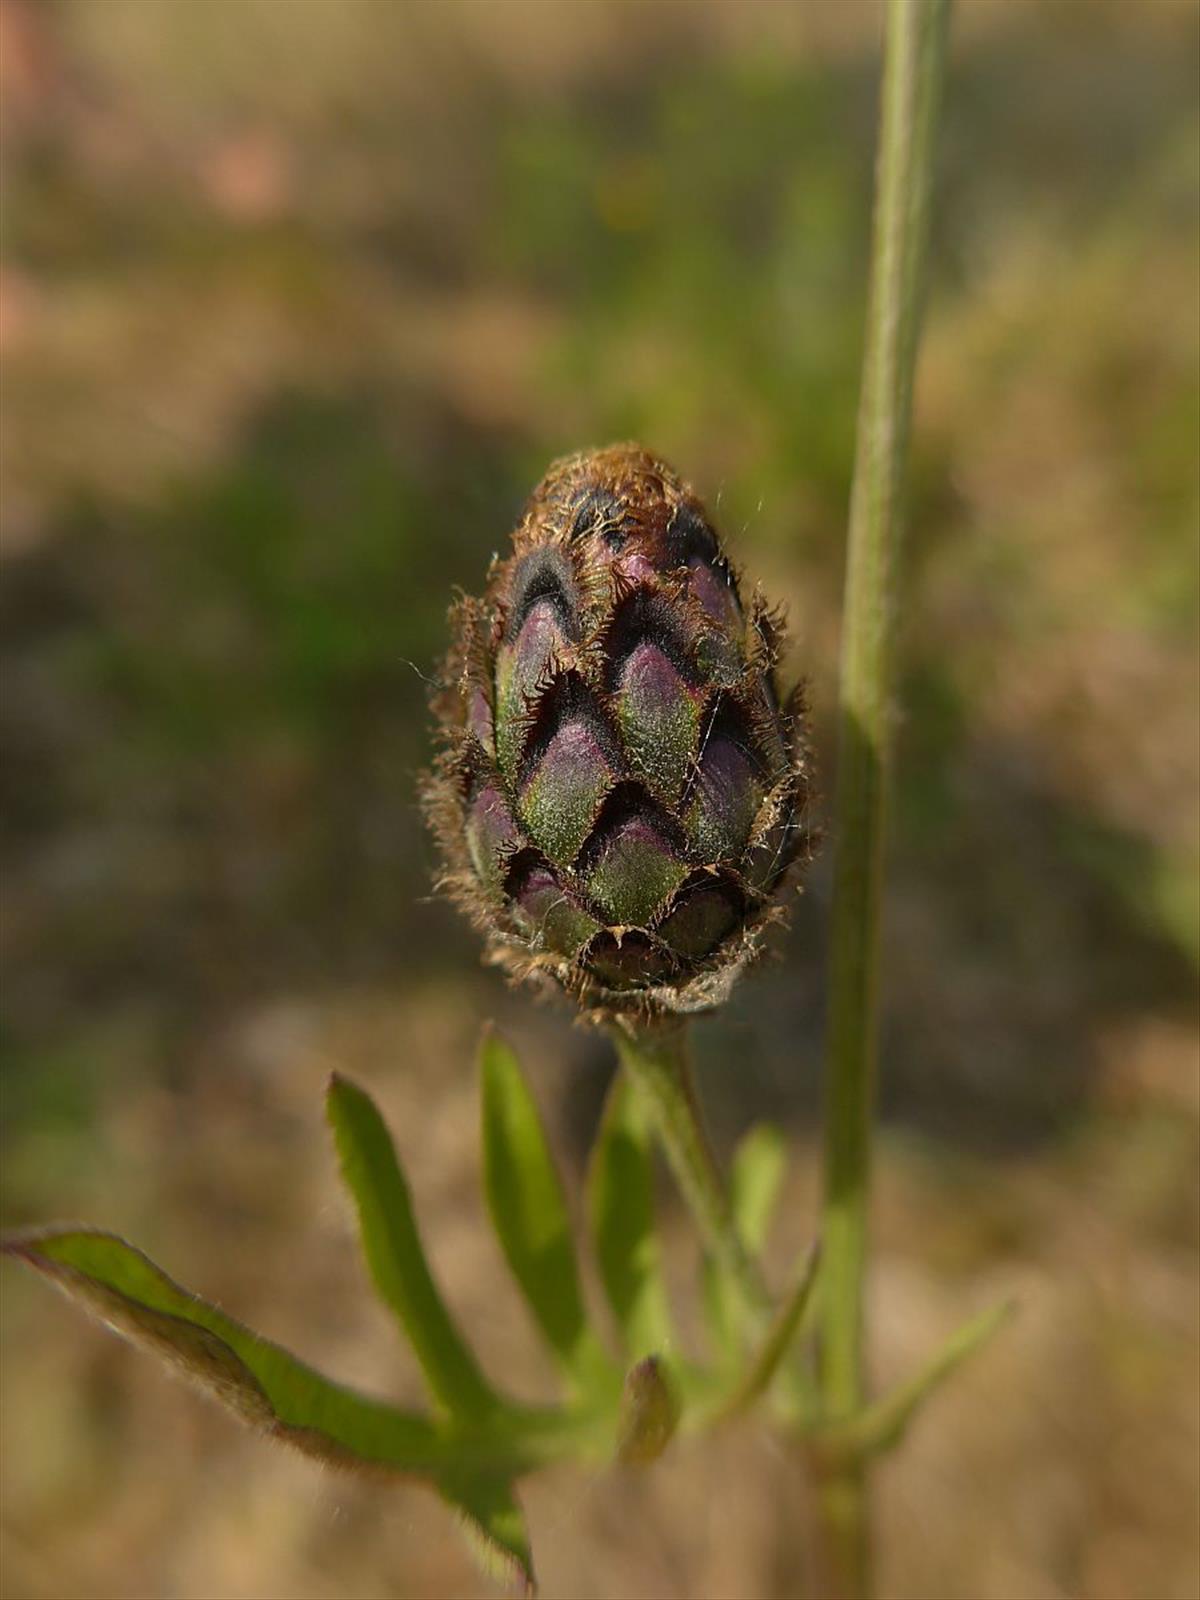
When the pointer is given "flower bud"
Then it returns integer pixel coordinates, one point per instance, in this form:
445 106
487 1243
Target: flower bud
621 791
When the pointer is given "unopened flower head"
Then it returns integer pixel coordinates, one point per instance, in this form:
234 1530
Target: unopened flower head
622 789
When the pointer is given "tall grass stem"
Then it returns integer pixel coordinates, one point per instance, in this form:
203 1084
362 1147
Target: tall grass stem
914 55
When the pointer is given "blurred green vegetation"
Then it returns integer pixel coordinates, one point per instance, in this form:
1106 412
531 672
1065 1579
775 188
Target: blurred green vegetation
284 350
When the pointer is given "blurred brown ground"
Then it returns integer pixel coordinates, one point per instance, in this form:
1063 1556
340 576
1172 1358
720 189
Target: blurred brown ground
296 301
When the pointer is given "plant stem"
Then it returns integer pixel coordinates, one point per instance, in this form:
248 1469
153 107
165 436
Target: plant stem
913 68
657 1061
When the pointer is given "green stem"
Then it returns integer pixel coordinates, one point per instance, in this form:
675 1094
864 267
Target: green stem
657 1061
913 68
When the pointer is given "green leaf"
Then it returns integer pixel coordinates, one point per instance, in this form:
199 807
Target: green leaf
762 1369
620 1196
530 1216
880 1427
269 1388
719 1301
394 1255
264 1384
494 1524
755 1179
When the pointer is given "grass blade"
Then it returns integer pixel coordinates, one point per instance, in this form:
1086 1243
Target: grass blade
394 1255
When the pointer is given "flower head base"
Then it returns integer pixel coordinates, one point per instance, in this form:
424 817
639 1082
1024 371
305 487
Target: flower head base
621 791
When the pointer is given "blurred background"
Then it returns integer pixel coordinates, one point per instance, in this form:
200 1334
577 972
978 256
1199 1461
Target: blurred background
297 301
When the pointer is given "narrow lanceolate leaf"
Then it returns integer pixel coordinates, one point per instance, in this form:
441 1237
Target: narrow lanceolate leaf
755 1179
270 1389
719 1302
620 1195
494 1523
265 1385
762 1369
530 1215
394 1255
880 1427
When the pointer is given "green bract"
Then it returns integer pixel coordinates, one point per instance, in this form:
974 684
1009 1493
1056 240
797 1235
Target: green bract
622 789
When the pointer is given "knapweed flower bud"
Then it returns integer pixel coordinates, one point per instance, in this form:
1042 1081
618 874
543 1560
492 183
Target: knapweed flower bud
622 790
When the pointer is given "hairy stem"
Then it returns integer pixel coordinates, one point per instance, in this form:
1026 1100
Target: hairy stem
658 1063
913 68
